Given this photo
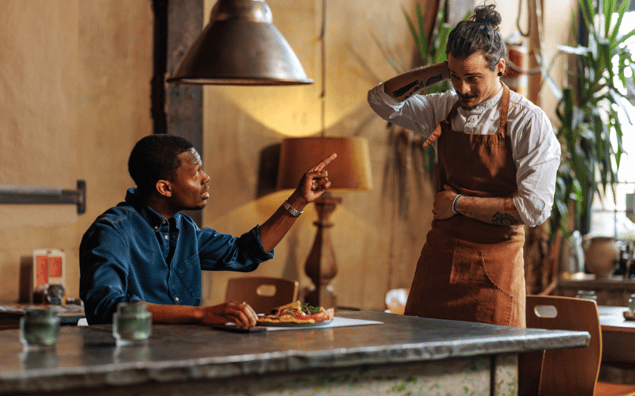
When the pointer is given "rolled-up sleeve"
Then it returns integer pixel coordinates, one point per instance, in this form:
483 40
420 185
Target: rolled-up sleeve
537 161
419 113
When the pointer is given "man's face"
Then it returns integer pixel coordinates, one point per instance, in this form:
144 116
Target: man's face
189 187
473 81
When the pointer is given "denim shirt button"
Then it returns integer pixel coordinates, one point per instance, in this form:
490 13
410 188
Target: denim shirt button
177 299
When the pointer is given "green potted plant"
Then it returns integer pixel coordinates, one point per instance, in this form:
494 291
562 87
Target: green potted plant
589 128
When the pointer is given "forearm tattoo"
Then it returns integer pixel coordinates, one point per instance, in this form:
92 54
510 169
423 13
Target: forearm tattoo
503 219
416 86
434 80
508 204
404 90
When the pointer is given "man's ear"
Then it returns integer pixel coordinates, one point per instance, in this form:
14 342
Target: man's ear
164 188
500 67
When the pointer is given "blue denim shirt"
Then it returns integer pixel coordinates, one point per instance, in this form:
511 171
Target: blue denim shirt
131 253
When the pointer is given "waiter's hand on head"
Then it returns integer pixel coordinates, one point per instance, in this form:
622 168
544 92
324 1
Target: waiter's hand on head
315 181
443 200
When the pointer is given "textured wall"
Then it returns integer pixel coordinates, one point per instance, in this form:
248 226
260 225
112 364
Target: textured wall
74 97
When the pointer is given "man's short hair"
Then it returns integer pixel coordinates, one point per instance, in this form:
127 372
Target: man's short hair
479 33
154 158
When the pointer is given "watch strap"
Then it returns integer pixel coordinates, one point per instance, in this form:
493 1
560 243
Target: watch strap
294 212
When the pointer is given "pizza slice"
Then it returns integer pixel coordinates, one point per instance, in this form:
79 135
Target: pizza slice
296 313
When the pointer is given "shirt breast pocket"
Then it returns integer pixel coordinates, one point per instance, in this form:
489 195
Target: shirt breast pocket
188 273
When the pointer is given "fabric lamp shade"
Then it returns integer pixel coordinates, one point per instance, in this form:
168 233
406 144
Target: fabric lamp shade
240 46
350 171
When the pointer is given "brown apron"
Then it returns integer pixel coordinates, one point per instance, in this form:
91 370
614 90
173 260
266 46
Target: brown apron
470 270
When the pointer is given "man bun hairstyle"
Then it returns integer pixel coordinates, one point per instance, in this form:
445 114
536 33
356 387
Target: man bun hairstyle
481 32
154 158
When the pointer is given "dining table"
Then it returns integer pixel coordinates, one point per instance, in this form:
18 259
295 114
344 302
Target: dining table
10 313
618 335
358 353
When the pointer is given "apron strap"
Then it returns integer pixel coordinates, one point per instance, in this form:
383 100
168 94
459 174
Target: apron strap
439 129
502 126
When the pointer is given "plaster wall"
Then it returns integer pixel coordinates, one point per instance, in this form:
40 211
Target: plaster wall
74 97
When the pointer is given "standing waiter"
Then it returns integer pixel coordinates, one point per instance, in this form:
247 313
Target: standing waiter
497 161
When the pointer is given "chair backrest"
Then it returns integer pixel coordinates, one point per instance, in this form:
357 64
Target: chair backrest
567 371
262 293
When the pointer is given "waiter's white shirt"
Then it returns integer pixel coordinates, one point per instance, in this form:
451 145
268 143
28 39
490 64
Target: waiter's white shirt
535 148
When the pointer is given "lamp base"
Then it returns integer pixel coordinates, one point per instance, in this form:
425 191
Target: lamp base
321 265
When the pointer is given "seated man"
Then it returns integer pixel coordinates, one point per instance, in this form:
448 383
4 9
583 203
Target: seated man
145 251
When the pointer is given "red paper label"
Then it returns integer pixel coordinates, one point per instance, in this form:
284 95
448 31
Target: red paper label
41 270
55 267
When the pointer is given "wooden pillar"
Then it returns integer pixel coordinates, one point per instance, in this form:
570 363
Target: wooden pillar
177 109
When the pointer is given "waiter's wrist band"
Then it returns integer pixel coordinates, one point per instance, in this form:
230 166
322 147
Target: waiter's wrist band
294 212
454 203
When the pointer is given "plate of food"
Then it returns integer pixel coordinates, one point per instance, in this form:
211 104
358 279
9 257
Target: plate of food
297 315
629 315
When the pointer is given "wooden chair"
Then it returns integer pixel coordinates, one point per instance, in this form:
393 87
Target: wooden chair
262 293
566 372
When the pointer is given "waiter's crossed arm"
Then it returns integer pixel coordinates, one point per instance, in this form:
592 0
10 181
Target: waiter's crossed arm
493 210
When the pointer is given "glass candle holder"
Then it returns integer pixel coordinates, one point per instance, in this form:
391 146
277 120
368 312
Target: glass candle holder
39 329
587 294
132 323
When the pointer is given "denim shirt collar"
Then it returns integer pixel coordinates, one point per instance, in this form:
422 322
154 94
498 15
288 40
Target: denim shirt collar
150 215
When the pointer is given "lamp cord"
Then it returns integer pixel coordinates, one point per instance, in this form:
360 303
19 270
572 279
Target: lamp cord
323 66
526 33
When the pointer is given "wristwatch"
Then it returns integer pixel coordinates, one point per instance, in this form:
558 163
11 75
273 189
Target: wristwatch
294 212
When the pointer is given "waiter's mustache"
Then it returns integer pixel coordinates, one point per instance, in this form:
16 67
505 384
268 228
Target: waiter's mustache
468 96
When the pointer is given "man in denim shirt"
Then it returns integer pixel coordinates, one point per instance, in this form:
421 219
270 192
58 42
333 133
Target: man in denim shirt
144 251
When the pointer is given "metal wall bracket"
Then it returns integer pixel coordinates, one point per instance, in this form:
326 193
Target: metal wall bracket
19 194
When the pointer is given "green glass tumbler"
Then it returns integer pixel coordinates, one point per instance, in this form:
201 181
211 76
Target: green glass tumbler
132 323
39 329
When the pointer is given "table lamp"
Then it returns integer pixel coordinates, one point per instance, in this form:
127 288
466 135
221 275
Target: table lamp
349 172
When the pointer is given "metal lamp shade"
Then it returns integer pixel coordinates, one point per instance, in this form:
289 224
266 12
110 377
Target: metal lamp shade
240 46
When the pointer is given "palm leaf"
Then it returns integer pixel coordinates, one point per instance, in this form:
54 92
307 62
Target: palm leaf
421 44
620 16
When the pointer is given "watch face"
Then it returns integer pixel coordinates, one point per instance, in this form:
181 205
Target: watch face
291 209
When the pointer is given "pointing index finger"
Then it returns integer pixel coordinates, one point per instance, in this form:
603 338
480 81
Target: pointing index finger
323 163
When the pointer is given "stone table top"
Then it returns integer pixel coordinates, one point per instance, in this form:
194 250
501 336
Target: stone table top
89 357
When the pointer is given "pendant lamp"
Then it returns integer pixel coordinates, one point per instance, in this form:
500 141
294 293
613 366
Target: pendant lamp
240 46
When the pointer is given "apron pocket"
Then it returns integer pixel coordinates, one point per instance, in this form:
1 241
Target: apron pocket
468 266
477 297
